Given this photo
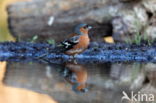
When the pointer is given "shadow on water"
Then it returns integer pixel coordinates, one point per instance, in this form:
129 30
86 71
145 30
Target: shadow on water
82 83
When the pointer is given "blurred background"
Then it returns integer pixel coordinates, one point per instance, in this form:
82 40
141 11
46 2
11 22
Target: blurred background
4 32
50 21
9 94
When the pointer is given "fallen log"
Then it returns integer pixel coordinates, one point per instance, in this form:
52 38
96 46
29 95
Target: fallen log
96 53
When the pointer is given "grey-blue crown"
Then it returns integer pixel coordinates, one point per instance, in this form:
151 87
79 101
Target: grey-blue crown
77 29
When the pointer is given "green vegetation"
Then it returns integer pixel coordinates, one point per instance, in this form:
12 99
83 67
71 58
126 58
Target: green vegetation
34 38
138 39
51 41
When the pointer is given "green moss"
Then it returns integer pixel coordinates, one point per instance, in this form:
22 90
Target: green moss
138 39
138 36
51 41
34 38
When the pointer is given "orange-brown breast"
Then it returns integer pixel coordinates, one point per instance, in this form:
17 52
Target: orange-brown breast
81 46
80 71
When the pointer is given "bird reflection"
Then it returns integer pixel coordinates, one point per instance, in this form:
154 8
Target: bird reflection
76 75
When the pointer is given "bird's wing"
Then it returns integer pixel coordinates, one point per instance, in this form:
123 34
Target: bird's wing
69 43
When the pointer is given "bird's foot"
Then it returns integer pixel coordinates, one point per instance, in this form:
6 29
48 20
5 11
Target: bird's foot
75 56
75 62
71 58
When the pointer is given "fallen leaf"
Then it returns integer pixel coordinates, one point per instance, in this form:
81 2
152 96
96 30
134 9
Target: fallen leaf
109 39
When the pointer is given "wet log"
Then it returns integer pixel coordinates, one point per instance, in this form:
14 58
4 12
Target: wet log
96 53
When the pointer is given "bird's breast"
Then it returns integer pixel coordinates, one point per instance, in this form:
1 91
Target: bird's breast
83 42
81 46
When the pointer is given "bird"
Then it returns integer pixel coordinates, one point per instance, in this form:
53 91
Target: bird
77 76
78 41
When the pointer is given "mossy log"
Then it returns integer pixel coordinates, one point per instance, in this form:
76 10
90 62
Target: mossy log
96 53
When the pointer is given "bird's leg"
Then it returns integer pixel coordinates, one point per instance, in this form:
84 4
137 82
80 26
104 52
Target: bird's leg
75 56
71 58
75 62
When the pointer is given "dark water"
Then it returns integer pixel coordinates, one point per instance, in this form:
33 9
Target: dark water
83 83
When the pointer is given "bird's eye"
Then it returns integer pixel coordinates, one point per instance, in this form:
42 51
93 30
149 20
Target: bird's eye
85 27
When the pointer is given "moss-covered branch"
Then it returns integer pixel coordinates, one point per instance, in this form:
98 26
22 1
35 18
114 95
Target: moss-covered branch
97 52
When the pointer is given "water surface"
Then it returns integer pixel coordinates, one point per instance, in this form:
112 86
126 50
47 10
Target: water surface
82 83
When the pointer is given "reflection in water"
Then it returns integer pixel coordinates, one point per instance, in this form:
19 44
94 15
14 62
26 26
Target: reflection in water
76 75
67 82
17 95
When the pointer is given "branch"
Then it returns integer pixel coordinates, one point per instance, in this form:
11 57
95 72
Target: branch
96 53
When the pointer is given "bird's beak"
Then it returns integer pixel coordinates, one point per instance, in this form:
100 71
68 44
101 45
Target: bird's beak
89 27
84 90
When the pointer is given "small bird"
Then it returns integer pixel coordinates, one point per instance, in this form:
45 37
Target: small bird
76 44
78 41
77 76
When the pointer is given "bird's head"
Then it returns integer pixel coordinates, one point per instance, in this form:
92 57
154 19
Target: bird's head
82 29
79 88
